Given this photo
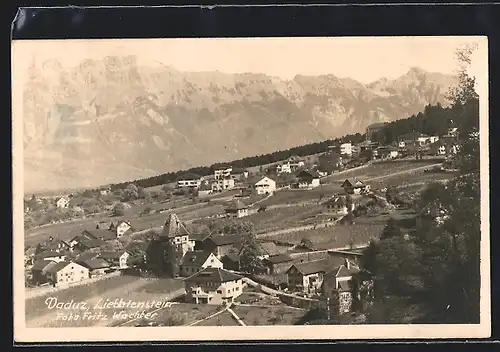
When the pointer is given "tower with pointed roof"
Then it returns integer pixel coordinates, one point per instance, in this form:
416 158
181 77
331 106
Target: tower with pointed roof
176 239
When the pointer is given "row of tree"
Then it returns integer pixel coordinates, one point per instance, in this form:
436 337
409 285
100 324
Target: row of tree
264 159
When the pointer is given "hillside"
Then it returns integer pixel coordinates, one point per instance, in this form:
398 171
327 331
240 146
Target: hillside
114 120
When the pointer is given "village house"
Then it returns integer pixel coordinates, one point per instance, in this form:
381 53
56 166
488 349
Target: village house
354 186
189 182
39 271
239 174
221 245
205 189
65 273
236 209
86 242
213 286
116 259
105 190
195 261
308 276
308 179
122 227
278 264
264 250
444 146
62 202
264 185
338 205
56 245
100 234
346 149
338 286
50 255
96 267
291 165
83 257
223 173
222 184
452 132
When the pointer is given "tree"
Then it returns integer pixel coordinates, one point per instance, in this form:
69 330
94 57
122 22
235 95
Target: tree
249 256
141 193
118 209
436 266
366 154
306 243
130 193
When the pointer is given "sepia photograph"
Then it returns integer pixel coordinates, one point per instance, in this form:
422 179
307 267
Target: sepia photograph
250 188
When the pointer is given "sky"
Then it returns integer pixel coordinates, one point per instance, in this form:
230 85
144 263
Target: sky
365 59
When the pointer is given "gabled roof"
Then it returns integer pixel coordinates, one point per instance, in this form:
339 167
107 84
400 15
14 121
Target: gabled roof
42 264
58 267
103 234
174 227
320 265
342 271
308 174
353 182
96 263
199 236
236 205
279 258
262 178
112 255
54 244
48 254
225 240
269 248
86 256
214 275
312 267
92 243
196 258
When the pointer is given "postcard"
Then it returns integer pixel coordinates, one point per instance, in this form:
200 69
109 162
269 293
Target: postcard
306 188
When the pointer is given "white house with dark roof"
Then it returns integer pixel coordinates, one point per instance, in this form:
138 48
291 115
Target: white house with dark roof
308 179
355 186
236 209
194 261
66 273
62 202
213 286
265 185
116 259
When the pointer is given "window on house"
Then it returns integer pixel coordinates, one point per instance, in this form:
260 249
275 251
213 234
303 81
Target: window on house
237 289
219 292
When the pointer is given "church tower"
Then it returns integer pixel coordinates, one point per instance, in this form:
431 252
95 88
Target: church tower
176 240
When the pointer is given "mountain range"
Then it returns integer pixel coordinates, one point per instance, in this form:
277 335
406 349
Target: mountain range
116 119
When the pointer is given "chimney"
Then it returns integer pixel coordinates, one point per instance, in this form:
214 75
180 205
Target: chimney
347 264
